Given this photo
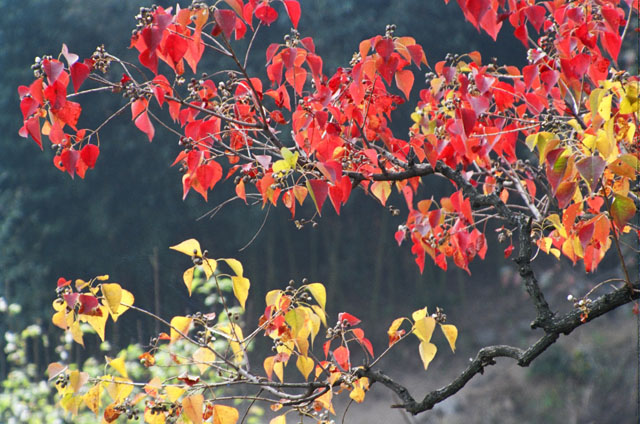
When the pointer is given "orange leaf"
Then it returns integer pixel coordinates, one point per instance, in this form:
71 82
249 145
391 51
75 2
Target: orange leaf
404 81
192 408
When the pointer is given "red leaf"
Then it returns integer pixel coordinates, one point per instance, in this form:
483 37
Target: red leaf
335 195
325 348
565 192
176 47
139 114
417 54
32 127
535 15
69 113
277 117
149 58
468 117
209 174
241 29
71 299
508 251
79 73
341 355
293 9
612 43
69 158
62 282
363 340
227 21
53 69
384 47
475 10
387 68
266 13
89 154
315 63
345 186
318 190
89 305
348 318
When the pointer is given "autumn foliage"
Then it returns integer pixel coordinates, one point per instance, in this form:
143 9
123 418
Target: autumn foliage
547 153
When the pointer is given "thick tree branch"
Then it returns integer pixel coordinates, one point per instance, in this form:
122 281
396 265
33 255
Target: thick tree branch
543 312
554 327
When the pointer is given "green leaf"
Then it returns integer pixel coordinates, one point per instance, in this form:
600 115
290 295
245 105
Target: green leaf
622 210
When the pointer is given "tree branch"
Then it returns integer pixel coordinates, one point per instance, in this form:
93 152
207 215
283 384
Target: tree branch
564 324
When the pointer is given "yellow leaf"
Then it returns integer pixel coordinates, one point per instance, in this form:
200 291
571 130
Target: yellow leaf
280 166
189 247
451 333
187 277
314 323
305 365
126 300
92 398
98 322
81 284
320 313
359 389
71 403
278 368
174 393
151 417
118 364
423 328
224 414
420 313
77 379
604 108
192 408
119 388
268 366
382 190
272 297
76 333
203 357
102 277
319 293
112 295
59 319
394 326
241 289
280 419
235 340
325 401
427 353
209 266
235 265
538 140
290 158
179 325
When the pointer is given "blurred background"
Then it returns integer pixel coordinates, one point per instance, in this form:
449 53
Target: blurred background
122 217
